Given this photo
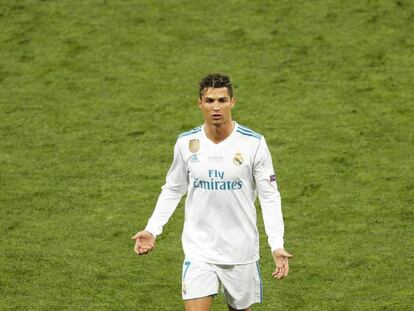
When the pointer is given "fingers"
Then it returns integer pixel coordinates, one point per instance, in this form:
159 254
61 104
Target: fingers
282 268
145 236
137 248
279 272
138 235
286 268
142 249
142 246
281 258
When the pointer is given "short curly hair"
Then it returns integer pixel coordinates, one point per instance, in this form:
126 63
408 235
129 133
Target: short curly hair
215 80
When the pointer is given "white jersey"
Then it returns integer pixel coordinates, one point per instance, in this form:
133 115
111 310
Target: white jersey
221 181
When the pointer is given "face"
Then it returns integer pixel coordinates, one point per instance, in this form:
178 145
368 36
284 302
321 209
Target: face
216 105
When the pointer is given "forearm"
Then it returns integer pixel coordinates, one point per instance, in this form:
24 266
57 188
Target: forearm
175 187
165 207
270 202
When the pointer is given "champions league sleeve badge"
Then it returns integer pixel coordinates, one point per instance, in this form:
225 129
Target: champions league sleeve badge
194 145
238 159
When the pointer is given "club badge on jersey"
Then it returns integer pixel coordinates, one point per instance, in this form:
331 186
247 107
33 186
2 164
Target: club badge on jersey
194 145
238 159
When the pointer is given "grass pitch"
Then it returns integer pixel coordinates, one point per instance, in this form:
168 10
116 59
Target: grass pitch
93 94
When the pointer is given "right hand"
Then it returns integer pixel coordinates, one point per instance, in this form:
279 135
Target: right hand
144 242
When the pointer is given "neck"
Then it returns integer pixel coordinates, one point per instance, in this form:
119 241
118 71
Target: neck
218 133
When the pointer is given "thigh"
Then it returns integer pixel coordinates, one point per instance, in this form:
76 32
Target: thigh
230 308
199 280
198 304
242 285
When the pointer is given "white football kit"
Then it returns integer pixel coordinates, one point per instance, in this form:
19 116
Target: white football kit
221 181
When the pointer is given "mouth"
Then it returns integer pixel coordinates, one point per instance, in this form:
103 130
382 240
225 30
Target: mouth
216 116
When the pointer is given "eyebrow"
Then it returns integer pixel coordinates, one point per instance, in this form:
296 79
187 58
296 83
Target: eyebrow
219 98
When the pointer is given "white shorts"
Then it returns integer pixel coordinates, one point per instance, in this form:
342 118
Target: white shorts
241 284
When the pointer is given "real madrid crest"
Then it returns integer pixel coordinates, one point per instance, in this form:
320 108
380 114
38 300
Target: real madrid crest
238 159
194 145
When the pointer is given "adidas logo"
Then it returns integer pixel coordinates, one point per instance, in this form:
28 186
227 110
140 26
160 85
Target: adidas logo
194 159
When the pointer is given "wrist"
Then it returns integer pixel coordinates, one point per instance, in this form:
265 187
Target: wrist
154 236
278 250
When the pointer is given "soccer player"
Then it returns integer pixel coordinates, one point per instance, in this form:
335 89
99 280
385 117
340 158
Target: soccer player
221 166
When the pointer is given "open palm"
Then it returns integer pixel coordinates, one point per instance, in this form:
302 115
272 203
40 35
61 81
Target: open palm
144 242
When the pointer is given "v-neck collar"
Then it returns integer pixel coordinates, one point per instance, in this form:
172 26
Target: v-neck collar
223 141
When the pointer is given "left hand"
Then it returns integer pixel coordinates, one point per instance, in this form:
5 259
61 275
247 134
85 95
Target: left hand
281 258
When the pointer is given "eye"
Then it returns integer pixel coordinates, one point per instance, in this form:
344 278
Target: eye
223 100
209 100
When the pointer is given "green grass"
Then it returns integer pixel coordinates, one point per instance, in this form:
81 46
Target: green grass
93 94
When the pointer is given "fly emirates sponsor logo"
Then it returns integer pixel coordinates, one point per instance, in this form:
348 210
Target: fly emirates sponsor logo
217 182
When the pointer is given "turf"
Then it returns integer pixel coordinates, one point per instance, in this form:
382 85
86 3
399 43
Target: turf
93 94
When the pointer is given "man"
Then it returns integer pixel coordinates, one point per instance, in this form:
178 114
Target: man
221 165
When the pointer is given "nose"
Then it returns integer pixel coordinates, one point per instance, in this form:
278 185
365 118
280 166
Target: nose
216 105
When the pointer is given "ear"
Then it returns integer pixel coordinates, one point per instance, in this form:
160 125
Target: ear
199 103
233 101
